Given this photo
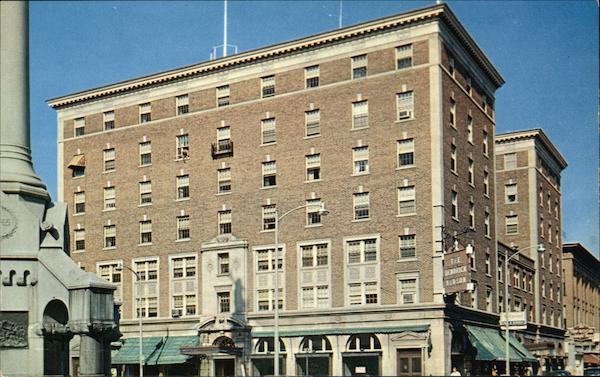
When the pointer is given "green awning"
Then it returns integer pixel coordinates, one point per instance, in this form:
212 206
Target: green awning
490 345
343 331
156 350
524 352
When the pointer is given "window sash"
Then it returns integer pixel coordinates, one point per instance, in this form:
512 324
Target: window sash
269 167
224 174
110 231
406 146
145 147
313 160
109 154
182 100
360 153
223 133
359 61
223 91
268 127
510 161
405 101
145 226
407 246
183 222
224 217
145 187
312 71
145 108
182 141
360 108
183 180
108 116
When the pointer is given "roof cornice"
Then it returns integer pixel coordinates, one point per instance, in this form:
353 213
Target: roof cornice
440 11
536 133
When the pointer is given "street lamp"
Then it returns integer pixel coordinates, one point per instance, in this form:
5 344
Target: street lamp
139 312
322 212
540 249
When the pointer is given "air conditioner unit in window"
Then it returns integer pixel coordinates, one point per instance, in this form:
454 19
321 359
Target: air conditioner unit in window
176 313
405 114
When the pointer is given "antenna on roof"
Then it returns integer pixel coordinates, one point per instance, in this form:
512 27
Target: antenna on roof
341 11
225 46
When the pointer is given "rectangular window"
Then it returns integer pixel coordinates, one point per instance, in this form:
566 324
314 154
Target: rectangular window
224 180
145 153
486 224
406 200
183 186
79 202
311 76
511 193
79 127
361 206
488 265
360 158
485 143
109 120
405 105
404 55
486 182
471 172
408 290
314 275
454 200
223 259
269 173
110 201
488 299
145 232
183 286
267 86
268 129
474 295
183 227
147 289
453 166
268 215
313 167
359 66
470 129
362 251
79 238
182 103
452 112
111 273
182 147
223 96
109 159
313 215
224 138
408 247
145 112
469 85
360 114
510 161
145 192
110 236
264 269
472 215
512 224
224 302
313 122
406 152
224 222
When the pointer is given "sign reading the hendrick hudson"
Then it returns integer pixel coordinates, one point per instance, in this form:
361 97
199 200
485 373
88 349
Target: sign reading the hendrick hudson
13 329
457 274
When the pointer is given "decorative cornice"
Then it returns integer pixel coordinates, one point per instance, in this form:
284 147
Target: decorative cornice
441 11
538 134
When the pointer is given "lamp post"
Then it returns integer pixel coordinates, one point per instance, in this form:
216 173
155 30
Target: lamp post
540 249
278 219
139 312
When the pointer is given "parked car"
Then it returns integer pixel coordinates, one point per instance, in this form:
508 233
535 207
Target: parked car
595 371
557 373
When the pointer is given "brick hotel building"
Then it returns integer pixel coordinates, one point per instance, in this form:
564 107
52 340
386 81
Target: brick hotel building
390 124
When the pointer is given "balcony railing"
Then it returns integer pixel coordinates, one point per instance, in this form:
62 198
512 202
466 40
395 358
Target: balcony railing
222 148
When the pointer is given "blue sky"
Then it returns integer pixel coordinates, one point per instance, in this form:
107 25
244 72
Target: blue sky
546 50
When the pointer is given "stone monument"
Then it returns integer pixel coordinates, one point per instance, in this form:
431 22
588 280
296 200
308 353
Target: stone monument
45 298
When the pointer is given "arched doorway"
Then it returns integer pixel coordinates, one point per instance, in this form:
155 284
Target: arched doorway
314 356
56 339
362 356
225 365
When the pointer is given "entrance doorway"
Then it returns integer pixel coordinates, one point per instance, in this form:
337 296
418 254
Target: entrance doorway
408 362
224 367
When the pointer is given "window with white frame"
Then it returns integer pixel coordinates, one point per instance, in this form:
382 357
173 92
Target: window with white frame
360 114
269 173
485 143
223 263
110 236
510 191
264 271
183 227
267 85
110 201
268 130
224 143
146 289
362 271
79 202
486 224
474 294
405 105
361 205
108 120
314 275
408 246
223 96
145 192
224 180
453 166
510 161
111 272
471 172
183 186
268 215
512 224
362 251
145 153
486 182
313 215
224 218
488 264
452 112
145 232
313 167
182 103
470 129
360 158
407 200
311 76
224 302
79 239
182 147
454 204
488 299
183 286
109 159
313 122
359 66
406 152
408 288
471 215
145 112
404 56
79 127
